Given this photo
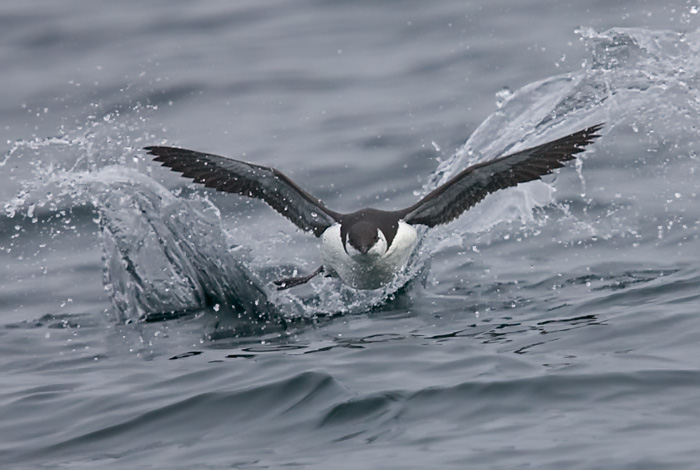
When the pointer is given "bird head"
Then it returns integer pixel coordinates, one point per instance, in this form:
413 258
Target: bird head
364 239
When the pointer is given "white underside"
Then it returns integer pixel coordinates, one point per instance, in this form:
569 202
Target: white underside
367 271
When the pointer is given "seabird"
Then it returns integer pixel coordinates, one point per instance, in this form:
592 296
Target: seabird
366 248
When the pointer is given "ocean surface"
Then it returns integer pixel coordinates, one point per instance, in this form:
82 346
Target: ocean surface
555 325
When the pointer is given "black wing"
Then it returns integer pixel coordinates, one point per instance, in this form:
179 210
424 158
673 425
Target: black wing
247 179
473 184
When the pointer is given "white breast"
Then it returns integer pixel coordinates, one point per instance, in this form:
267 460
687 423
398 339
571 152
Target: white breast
367 272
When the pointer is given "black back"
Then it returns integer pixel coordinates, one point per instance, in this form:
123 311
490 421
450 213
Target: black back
442 205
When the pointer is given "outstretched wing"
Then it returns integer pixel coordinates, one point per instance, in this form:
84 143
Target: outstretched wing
473 184
247 179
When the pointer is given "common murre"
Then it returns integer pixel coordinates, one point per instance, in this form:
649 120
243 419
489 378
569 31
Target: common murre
366 248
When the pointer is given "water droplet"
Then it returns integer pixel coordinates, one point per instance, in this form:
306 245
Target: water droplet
502 97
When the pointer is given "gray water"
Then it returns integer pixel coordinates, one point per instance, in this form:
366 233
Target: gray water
555 325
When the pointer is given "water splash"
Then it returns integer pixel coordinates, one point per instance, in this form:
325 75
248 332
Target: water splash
168 254
636 78
163 255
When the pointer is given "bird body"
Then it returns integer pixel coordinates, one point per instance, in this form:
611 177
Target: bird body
366 249
369 268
